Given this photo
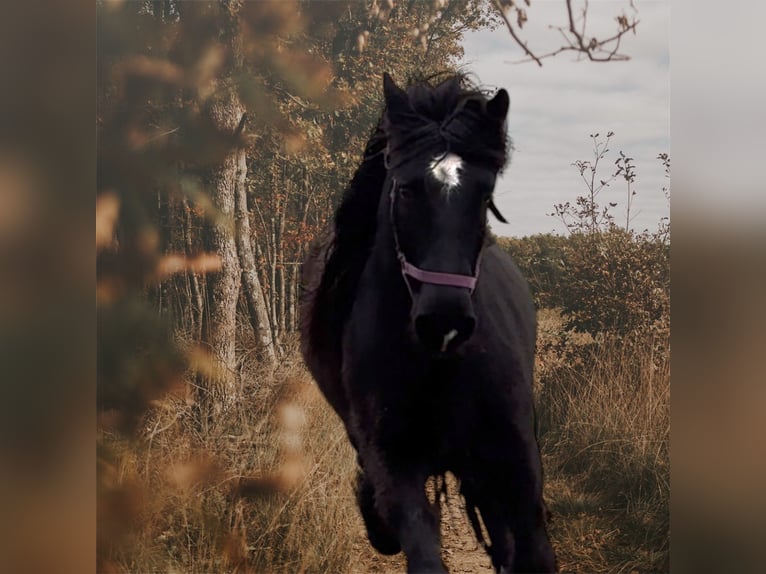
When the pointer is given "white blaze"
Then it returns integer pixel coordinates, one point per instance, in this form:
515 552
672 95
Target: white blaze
447 170
447 338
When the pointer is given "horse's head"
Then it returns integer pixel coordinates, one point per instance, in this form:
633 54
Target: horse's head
445 148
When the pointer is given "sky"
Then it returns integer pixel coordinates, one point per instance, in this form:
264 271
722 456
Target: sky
555 108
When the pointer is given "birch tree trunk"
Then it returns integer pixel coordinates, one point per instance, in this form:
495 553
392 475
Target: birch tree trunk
273 282
256 305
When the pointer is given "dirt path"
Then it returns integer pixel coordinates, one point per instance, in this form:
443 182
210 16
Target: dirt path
460 550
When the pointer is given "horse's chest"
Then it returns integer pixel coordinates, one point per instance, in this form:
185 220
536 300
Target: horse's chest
435 418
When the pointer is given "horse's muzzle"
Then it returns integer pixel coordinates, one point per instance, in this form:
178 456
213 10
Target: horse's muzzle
443 317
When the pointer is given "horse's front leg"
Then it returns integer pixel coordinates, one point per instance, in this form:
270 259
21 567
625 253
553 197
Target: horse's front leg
401 501
507 488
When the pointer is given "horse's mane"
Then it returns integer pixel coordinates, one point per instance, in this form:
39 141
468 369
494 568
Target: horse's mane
446 113
332 271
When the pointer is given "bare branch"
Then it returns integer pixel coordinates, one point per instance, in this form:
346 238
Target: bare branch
503 15
596 46
604 50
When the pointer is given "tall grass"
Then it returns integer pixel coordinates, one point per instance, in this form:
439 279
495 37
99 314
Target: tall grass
604 425
267 486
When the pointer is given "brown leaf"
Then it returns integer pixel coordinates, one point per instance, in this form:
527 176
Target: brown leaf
203 362
107 212
151 69
267 18
193 473
174 263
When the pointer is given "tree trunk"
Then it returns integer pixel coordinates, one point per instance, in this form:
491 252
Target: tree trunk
262 268
256 306
282 277
196 302
292 296
282 286
273 282
219 326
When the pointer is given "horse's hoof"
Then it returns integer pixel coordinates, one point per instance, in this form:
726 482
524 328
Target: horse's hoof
383 542
379 534
427 568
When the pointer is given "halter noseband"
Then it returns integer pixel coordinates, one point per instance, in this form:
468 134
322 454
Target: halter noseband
432 277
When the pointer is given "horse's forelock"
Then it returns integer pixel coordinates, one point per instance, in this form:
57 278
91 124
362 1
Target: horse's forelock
448 116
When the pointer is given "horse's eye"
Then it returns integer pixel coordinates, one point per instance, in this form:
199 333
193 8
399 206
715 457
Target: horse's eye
406 192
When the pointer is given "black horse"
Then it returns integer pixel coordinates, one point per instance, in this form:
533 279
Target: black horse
421 332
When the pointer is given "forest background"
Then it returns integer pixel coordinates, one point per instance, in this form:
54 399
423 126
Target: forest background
227 132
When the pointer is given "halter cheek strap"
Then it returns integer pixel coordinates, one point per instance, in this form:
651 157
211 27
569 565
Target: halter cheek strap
432 277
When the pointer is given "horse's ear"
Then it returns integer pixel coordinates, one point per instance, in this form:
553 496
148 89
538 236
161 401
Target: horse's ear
396 98
497 107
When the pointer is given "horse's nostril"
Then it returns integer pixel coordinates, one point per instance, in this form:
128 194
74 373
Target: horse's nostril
443 332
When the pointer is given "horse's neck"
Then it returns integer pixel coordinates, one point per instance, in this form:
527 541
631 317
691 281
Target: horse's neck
383 270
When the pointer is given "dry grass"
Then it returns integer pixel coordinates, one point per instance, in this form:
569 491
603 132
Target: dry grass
604 423
267 486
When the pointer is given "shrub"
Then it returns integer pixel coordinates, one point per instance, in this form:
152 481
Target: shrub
616 282
541 260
